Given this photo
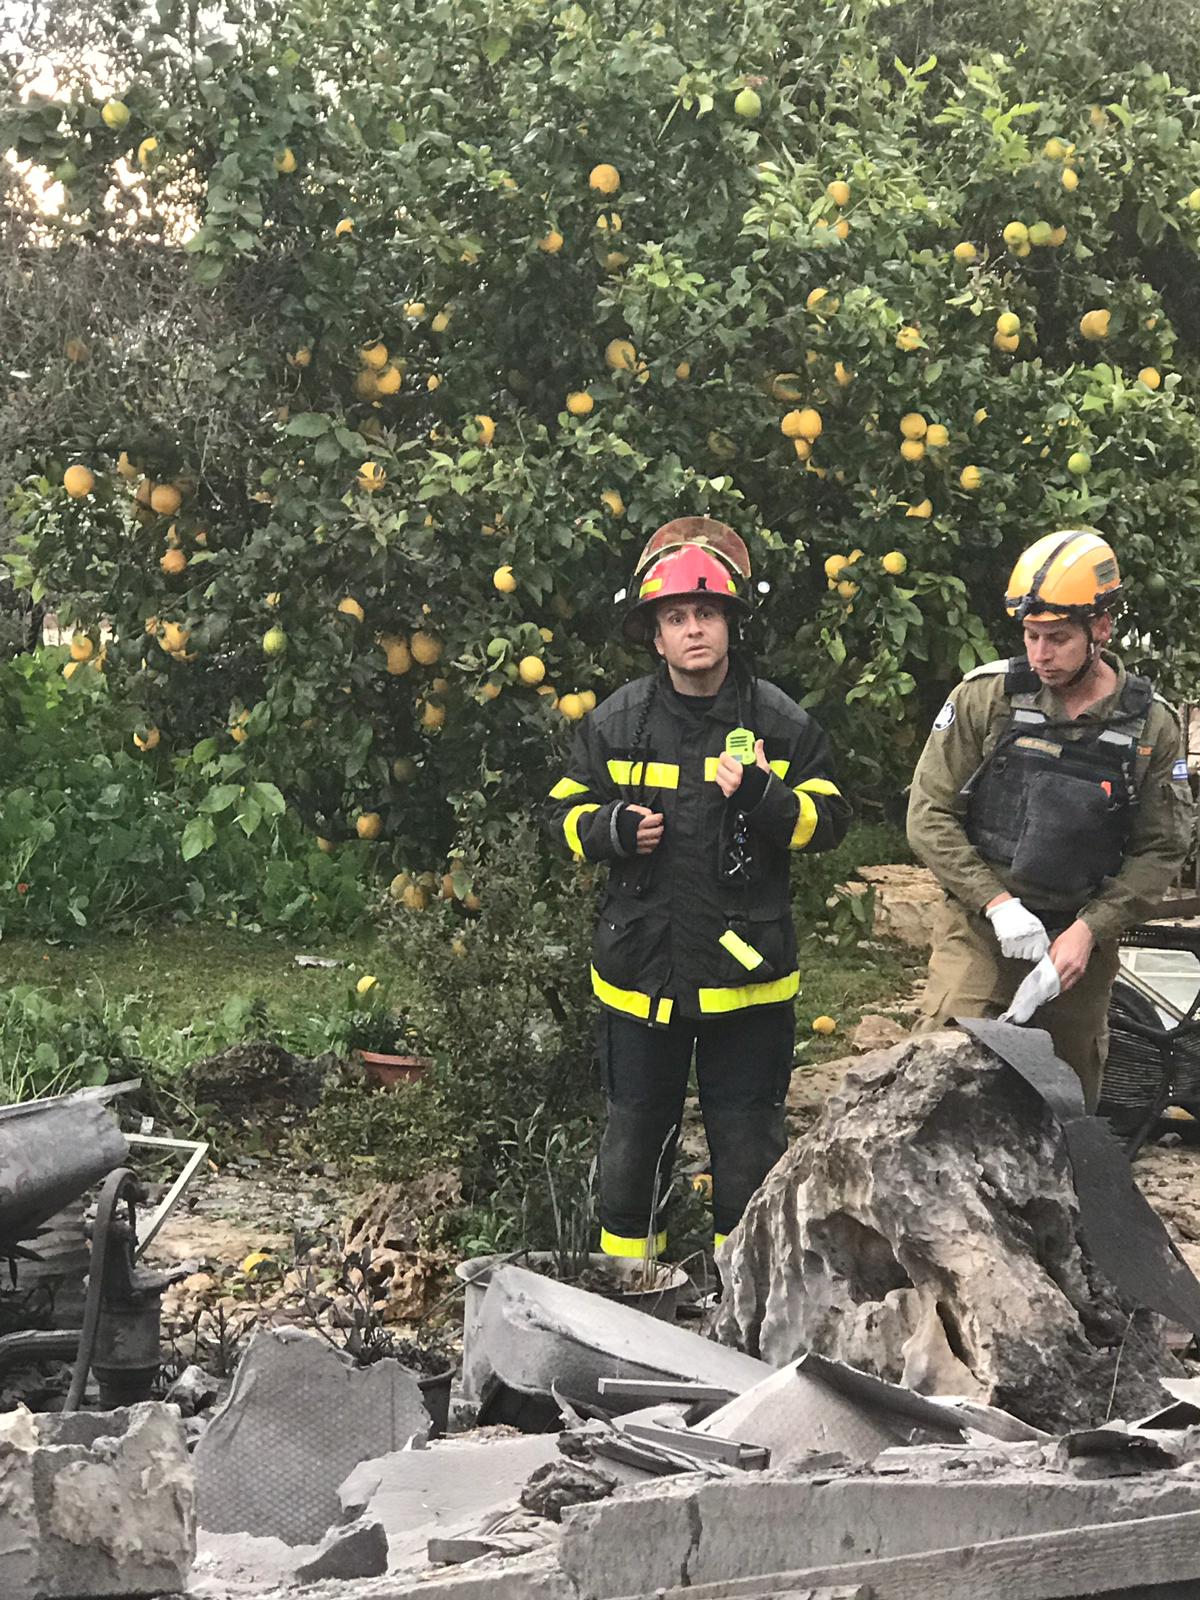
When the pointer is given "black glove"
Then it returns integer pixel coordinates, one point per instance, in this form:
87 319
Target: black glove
625 829
751 789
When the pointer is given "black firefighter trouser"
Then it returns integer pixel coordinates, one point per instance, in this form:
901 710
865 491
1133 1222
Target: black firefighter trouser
743 1064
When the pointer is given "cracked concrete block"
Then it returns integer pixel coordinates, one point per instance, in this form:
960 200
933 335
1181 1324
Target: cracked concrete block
418 1494
926 1230
531 1577
689 1532
94 1503
299 1417
536 1332
358 1550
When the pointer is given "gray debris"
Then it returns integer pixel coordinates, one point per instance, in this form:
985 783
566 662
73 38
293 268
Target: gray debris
193 1391
358 1550
299 1417
559 1484
926 1230
94 1503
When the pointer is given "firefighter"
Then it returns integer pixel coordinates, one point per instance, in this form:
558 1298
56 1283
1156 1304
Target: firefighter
694 785
1052 804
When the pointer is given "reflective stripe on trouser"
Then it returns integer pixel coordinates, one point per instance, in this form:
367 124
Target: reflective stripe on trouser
612 1244
968 977
743 1064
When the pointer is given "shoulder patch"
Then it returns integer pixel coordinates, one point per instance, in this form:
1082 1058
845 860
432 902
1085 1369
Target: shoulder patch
987 669
1180 772
944 718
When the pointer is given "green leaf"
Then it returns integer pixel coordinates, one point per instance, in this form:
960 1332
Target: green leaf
309 425
198 836
220 797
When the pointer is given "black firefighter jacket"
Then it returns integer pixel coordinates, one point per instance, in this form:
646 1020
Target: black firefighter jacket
676 933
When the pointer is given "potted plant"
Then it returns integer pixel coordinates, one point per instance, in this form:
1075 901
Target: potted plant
383 1041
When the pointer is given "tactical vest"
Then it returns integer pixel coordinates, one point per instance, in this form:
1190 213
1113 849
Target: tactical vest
1054 802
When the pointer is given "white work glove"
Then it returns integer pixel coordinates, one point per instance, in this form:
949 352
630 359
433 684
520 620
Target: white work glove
1020 934
1042 984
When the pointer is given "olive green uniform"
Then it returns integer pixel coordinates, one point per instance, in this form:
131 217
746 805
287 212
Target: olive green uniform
967 974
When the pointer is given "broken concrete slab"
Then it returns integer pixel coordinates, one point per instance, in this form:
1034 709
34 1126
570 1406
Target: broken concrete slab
299 1417
418 1494
926 1230
94 1503
538 1334
358 1550
686 1531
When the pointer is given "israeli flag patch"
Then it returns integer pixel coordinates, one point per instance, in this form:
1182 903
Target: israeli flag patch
1180 772
944 718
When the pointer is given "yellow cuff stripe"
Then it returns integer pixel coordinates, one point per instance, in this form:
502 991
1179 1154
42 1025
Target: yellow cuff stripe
817 786
613 1244
806 822
571 826
713 1001
659 774
740 950
566 787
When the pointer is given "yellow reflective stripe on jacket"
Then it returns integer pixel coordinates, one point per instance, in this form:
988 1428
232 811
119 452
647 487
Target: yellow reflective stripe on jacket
613 1244
571 826
566 787
719 1239
659 774
806 822
740 950
779 768
632 1001
753 994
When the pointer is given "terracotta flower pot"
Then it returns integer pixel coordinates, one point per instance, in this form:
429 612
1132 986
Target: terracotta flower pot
385 1072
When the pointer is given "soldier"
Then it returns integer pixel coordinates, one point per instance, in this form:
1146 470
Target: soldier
694 784
1052 804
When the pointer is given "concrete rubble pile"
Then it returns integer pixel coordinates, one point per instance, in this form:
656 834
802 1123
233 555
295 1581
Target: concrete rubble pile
940 1299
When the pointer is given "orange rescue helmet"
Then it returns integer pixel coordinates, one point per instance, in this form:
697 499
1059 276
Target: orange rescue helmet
1070 575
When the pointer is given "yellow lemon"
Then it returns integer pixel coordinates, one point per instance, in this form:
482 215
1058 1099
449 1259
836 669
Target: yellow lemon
588 700
912 449
366 983
432 716
1008 322
146 151
399 657
824 1025
839 192
612 502
126 467
1069 179
78 482
908 338
571 707
1054 149
374 355
415 897
82 647
1094 324
285 161
1041 234
580 403
842 228
970 478
426 648
273 598
802 448
174 639
1058 236
70 669
846 589
747 103
388 381
1007 342
965 251
349 607
371 477
913 425
895 563
803 424
433 382
344 227
843 377
173 562
937 437
980 416
620 355
923 509
834 565
1015 233
487 429
1079 463
366 385
615 260
326 846
254 1260
490 691
441 322
531 669
503 580
551 243
369 825
415 309
150 741
815 296
1150 377
274 642
683 371
605 179
115 115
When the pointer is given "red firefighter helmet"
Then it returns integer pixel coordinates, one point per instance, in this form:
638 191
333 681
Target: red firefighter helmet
690 570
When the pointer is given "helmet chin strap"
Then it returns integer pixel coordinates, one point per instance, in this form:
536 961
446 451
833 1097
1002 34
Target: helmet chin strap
1089 661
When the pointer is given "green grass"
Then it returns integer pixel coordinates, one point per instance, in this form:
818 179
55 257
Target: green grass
844 984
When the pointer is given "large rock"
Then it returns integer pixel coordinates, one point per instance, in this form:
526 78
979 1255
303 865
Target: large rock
926 1230
94 1503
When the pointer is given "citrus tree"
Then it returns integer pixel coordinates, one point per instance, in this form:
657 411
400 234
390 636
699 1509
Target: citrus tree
373 341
